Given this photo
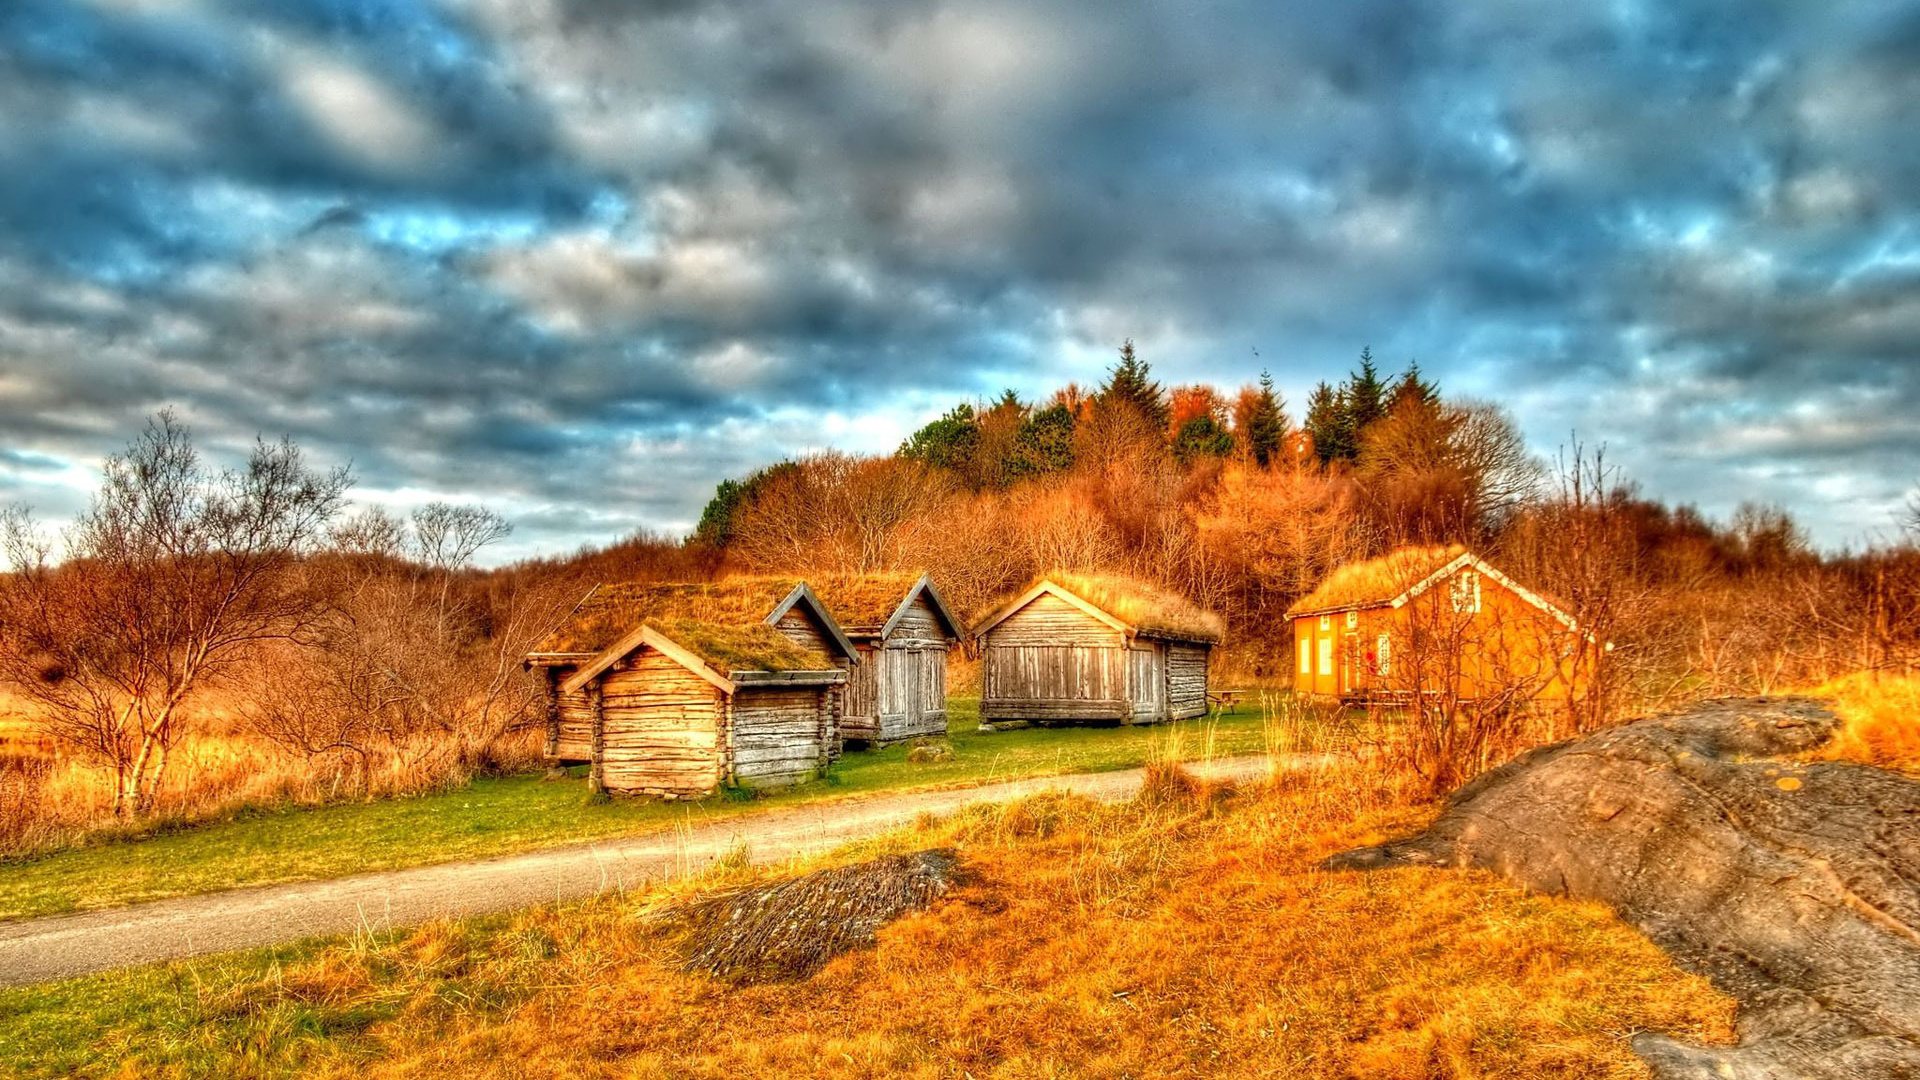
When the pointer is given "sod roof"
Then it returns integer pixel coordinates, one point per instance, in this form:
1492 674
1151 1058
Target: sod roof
1374 582
862 603
723 623
1147 609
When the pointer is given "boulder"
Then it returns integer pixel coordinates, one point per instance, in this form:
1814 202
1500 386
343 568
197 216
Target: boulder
1794 886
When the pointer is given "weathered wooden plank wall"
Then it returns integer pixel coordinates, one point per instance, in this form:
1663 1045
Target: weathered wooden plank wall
576 723
860 711
782 735
802 630
1187 679
1147 681
1052 661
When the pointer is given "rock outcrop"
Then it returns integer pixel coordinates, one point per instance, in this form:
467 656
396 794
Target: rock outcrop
1794 887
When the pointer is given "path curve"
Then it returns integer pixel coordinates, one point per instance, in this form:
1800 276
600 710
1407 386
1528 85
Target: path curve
58 947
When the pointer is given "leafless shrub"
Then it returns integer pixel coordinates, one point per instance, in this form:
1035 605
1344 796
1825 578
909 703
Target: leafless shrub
414 673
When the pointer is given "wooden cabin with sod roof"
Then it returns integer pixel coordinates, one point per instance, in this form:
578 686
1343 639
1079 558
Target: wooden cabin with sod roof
1080 648
673 690
903 631
1430 620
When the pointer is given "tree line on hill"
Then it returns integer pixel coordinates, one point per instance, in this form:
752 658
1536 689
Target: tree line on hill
1228 499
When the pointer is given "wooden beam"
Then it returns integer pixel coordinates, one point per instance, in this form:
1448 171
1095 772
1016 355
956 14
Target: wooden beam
550 684
597 717
643 635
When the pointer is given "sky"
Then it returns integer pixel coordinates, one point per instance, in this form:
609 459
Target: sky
578 260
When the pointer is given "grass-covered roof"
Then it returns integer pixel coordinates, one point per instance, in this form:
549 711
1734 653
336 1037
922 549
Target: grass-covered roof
1147 609
1373 582
862 602
723 623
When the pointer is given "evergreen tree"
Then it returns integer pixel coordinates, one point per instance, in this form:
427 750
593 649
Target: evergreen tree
1267 424
1202 436
1328 422
1366 395
731 497
946 443
1130 383
1412 388
1045 442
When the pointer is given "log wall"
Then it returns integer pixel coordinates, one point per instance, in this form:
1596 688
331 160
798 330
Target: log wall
783 735
661 729
1186 679
575 735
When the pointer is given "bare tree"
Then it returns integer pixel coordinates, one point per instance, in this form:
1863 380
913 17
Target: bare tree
837 512
1585 556
416 665
174 577
1459 679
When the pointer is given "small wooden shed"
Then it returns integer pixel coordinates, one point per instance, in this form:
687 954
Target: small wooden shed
1080 648
674 689
1438 616
904 632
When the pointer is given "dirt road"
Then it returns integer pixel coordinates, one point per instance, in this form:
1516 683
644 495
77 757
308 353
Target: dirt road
39 950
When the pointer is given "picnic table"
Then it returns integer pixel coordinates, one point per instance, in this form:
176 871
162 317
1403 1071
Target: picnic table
1226 701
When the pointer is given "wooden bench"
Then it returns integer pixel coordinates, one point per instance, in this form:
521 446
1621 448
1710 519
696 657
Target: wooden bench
1226 701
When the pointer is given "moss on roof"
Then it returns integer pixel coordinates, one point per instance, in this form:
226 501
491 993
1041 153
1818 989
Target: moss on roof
862 603
1148 609
1375 581
723 623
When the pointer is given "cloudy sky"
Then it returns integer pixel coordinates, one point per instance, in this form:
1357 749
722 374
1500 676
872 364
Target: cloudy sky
580 259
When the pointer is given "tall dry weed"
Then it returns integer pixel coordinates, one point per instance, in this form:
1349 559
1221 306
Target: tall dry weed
1880 714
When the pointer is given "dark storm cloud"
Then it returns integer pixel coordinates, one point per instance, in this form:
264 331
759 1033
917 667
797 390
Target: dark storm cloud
582 259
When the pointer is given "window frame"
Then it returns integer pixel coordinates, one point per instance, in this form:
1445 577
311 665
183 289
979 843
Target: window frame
1465 592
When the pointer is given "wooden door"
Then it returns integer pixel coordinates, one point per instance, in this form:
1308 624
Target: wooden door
933 682
896 683
1147 682
1349 660
911 690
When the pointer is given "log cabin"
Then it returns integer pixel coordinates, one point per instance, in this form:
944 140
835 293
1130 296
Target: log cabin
673 690
903 631
1081 648
1430 620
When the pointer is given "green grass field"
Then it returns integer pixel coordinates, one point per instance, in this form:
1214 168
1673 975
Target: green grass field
515 814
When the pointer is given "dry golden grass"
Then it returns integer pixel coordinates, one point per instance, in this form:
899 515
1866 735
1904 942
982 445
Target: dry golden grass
1881 719
1140 605
862 603
51 798
1185 935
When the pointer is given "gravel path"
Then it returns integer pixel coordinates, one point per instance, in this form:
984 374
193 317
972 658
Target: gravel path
39 950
